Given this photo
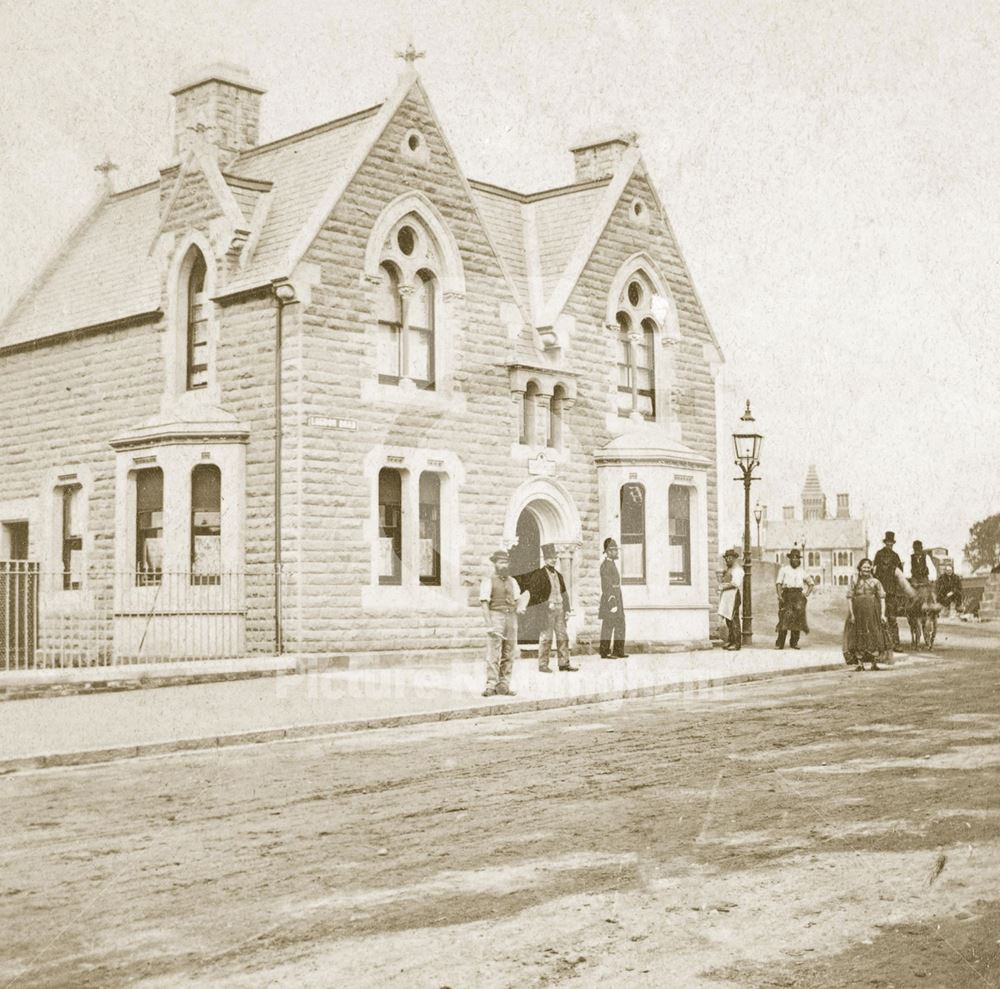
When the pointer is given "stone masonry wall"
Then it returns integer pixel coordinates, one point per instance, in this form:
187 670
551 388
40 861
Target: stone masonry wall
338 334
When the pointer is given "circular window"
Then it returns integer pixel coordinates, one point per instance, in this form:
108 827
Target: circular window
414 147
634 293
407 240
638 213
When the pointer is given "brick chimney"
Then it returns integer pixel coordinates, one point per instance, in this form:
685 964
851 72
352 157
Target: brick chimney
219 107
599 159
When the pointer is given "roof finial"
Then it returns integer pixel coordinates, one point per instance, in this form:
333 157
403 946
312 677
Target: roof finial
410 55
106 168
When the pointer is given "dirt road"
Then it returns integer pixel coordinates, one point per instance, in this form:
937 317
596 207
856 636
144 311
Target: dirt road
836 830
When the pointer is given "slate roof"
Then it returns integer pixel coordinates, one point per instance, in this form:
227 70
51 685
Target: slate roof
105 271
818 534
535 234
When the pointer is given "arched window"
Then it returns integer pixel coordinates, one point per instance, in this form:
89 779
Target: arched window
389 309
430 529
197 323
420 330
679 524
206 524
529 415
407 302
637 330
149 526
390 526
633 534
556 417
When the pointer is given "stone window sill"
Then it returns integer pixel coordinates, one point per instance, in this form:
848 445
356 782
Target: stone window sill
408 395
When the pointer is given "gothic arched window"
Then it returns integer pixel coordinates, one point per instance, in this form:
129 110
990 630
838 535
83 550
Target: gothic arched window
407 301
197 323
636 348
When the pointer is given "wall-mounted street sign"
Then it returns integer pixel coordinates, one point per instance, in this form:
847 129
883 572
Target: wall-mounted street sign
329 422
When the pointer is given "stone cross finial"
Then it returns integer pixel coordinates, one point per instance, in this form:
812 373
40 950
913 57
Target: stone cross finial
410 55
106 168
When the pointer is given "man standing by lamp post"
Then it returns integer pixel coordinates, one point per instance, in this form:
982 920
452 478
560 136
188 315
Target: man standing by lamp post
747 446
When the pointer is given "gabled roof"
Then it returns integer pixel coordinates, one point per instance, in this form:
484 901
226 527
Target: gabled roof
279 195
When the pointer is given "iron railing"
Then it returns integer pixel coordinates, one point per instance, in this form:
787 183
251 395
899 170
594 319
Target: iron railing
126 618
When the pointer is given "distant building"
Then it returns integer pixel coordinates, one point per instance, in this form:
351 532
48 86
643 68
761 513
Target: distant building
831 546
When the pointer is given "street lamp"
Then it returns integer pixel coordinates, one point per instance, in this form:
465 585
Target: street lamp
747 447
758 514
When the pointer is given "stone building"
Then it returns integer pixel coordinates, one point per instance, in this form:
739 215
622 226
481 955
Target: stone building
335 358
832 546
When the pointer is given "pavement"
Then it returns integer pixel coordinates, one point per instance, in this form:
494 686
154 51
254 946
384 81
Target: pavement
79 729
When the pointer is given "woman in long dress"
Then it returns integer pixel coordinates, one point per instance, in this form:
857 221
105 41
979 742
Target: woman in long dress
865 640
793 586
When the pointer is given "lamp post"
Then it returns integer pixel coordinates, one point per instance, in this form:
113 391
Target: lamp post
747 446
758 514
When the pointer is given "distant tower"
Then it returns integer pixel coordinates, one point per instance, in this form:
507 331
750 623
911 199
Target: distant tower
813 499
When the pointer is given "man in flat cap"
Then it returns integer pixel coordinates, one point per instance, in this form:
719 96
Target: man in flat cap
498 596
547 591
612 608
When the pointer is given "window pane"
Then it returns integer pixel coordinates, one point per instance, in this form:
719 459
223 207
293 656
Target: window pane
420 305
388 350
420 324
197 325
633 533
149 525
430 529
421 354
72 538
206 524
387 306
679 510
390 506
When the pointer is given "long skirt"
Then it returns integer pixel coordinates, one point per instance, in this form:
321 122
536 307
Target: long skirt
865 639
792 611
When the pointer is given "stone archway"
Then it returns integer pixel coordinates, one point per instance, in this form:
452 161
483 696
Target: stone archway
541 512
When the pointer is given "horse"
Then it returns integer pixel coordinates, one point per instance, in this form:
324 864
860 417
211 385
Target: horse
922 615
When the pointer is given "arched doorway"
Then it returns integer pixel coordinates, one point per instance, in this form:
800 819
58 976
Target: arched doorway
541 511
525 556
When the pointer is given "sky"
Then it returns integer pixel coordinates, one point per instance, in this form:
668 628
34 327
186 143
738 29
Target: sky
830 170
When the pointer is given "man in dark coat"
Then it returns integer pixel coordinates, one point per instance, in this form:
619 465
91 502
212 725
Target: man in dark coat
612 608
547 590
887 563
948 589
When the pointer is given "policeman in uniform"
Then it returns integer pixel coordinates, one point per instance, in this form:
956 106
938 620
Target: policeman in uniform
612 608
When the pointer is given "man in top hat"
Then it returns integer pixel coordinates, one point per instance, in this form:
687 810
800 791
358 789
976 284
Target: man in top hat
731 599
547 590
919 571
888 570
612 608
499 597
